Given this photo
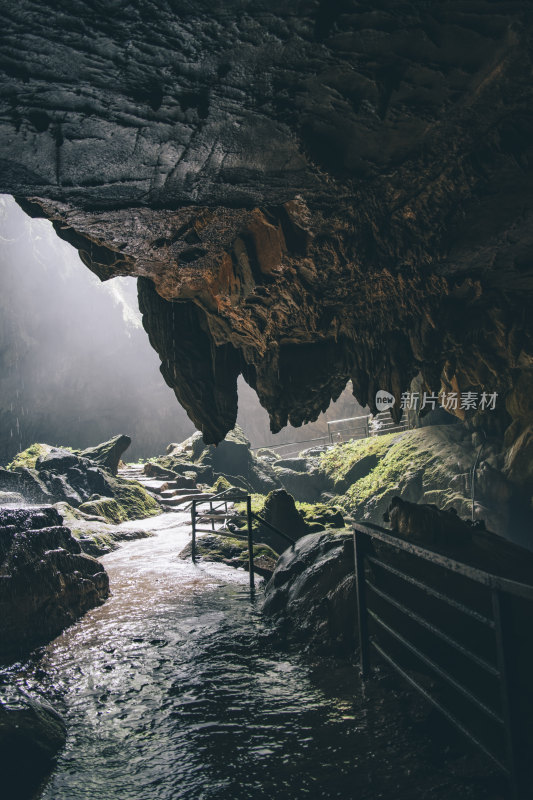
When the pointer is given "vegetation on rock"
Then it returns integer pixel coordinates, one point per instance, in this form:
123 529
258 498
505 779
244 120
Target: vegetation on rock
28 457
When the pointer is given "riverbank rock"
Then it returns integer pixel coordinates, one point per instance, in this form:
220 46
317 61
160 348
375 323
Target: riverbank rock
95 534
280 510
44 474
31 735
311 595
233 552
46 582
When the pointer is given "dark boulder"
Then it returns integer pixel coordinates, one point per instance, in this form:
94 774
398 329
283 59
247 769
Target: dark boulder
311 595
56 460
108 454
305 486
31 735
46 582
280 510
427 524
27 482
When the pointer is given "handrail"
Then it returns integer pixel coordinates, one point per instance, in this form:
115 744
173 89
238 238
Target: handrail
488 579
250 516
412 641
273 528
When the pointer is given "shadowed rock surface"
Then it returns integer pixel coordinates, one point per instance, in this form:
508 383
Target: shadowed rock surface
108 454
46 582
31 734
311 595
308 194
45 474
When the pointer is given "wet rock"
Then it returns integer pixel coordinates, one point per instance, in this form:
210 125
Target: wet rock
108 454
232 458
8 498
106 508
311 595
296 464
305 486
31 735
233 552
425 523
63 476
95 534
46 582
280 510
26 482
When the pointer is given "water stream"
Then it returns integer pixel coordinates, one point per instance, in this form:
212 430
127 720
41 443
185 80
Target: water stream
174 689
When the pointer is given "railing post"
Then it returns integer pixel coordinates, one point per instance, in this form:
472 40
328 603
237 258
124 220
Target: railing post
362 617
212 520
250 542
193 523
501 629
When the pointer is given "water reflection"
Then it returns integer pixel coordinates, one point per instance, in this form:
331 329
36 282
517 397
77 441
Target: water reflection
173 689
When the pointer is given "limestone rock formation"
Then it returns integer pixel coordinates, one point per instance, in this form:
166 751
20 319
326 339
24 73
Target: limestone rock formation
232 459
311 594
308 194
46 582
44 474
108 454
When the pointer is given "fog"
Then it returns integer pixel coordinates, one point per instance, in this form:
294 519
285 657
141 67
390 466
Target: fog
76 366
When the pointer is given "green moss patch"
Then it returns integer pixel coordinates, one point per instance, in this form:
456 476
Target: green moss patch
338 462
28 457
134 499
106 507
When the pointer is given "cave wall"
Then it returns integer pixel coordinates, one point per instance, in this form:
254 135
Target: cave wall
309 193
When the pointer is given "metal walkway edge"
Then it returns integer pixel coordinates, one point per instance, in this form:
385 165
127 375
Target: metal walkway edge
403 633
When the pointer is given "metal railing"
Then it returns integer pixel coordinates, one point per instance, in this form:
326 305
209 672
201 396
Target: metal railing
486 680
368 425
215 514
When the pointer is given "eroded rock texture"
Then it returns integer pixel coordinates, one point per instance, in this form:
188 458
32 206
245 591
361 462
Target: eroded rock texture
46 582
310 192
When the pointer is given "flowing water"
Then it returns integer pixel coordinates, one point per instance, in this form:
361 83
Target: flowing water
175 689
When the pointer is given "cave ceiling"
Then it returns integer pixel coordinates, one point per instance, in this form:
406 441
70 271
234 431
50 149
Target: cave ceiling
308 192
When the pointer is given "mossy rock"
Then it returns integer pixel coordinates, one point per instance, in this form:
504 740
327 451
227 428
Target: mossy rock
345 464
134 499
232 551
27 458
325 516
95 534
221 485
106 507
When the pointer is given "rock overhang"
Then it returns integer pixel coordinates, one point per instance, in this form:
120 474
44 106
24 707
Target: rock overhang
308 195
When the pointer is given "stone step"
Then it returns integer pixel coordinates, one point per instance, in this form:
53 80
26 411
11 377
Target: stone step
178 492
178 500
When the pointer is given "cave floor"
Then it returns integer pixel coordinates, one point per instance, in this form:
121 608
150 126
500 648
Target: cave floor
176 688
